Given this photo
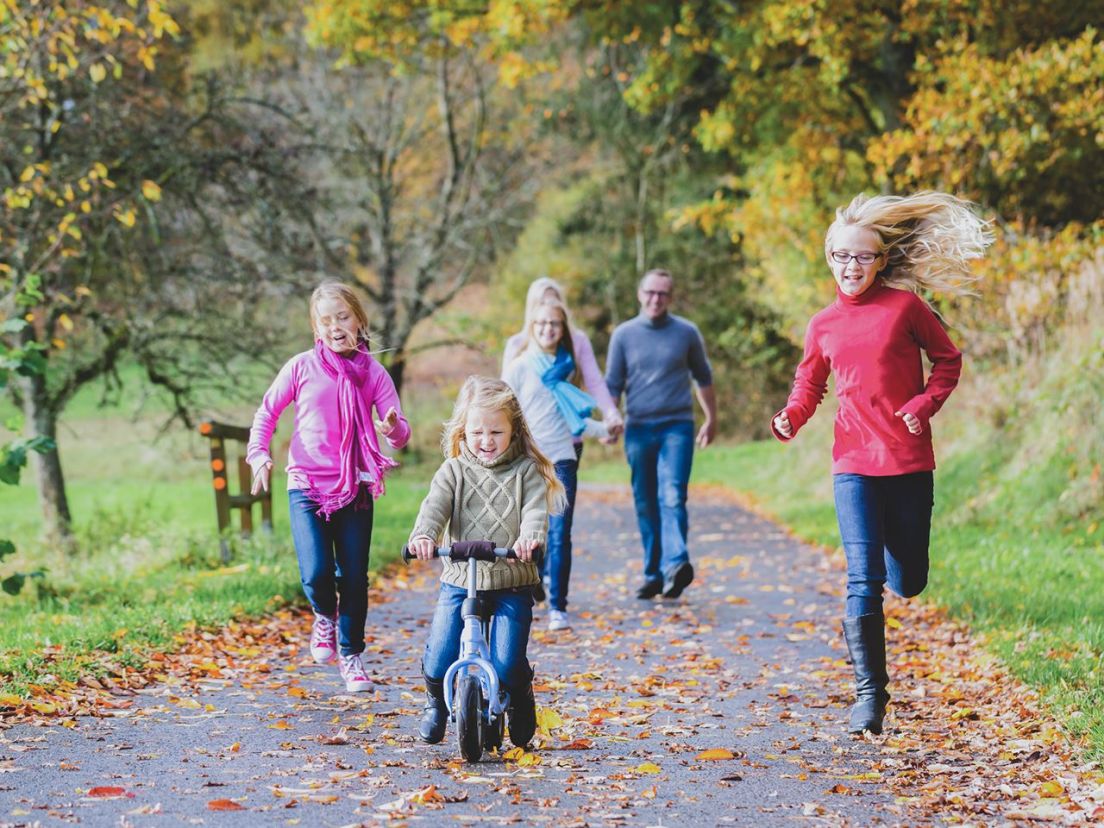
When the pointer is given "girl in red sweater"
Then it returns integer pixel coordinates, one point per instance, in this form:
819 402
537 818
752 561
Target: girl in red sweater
882 251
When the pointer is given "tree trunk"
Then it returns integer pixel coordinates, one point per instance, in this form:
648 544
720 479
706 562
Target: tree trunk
397 368
41 419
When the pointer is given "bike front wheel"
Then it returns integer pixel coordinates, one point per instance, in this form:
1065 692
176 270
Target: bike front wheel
468 706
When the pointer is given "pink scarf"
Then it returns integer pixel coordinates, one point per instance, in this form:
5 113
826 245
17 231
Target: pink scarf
358 432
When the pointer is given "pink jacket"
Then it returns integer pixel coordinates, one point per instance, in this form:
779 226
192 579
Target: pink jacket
314 452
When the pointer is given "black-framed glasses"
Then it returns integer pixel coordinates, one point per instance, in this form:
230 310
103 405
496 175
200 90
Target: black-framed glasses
555 324
657 294
843 257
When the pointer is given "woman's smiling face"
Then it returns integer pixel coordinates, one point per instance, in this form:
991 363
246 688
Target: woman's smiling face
850 241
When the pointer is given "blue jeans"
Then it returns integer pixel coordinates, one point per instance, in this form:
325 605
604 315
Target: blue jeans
511 616
660 457
333 559
557 558
885 524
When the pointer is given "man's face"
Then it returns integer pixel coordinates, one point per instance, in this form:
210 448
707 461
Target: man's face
655 296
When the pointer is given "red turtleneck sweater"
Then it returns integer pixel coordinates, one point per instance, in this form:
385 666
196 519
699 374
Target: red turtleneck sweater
872 343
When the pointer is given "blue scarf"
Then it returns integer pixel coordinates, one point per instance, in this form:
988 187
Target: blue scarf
573 402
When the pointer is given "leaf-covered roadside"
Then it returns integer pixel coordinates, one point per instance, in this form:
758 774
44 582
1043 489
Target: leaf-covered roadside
728 706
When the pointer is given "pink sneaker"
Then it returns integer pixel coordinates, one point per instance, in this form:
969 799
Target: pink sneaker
352 670
323 642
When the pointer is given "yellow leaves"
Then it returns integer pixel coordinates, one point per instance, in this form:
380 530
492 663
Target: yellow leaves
715 755
126 217
189 704
10 700
548 720
893 623
647 768
151 191
280 725
521 758
97 72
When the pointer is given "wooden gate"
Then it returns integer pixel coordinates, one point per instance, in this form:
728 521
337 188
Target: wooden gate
219 434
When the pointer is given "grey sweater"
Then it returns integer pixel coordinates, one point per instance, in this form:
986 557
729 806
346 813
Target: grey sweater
652 364
502 501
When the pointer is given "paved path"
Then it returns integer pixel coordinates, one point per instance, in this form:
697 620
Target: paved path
749 661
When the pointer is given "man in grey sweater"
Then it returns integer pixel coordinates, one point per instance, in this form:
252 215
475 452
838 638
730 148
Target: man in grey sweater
652 360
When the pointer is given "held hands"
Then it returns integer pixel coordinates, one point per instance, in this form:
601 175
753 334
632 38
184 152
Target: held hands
422 547
388 423
707 433
783 425
911 420
524 550
261 479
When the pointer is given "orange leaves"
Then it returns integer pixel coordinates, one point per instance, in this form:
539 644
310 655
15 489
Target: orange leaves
224 805
109 792
715 755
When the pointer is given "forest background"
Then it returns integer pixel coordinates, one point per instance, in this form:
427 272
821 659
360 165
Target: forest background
177 176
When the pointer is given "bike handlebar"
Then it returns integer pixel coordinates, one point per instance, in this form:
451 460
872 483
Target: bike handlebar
472 550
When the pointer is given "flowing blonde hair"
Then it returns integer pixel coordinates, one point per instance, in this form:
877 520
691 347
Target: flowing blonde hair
492 394
928 239
535 295
566 339
341 291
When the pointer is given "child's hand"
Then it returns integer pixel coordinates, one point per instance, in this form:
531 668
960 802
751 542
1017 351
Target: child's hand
389 421
783 425
912 421
524 550
261 479
422 548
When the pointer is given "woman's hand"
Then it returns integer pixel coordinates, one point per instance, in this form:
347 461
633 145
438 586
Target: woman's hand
389 421
261 479
783 425
422 547
911 421
524 550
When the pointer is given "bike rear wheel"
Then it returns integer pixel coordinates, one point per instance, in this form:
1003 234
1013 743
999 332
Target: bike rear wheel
468 706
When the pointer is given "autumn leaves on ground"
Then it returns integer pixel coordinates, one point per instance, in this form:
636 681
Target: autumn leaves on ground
723 707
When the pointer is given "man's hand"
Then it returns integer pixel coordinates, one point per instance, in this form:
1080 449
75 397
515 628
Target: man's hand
261 479
422 547
707 433
388 423
911 421
524 550
783 425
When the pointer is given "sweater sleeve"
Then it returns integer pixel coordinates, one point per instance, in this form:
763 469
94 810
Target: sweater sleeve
592 375
615 366
278 396
384 397
436 509
700 368
534 505
810 385
512 349
946 362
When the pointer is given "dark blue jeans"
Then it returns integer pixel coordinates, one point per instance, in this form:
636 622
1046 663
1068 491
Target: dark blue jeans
557 559
511 617
333 560
885 524
660 457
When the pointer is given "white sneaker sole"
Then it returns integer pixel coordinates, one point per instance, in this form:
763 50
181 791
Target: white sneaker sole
323 656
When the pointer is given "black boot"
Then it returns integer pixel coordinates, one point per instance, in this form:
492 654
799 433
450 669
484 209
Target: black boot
435 714
865 637
521 716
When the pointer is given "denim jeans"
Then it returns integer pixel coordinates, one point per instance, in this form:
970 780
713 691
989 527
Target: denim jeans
557 558
885 524
511 617
660 456
333 560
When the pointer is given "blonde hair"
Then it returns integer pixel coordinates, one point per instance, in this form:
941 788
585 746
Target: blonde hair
492 394
535 296
566 339
928 238
344 293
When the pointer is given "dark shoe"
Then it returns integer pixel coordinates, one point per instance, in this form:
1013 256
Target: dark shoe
680 579
521 716
865 636
435 714
650 589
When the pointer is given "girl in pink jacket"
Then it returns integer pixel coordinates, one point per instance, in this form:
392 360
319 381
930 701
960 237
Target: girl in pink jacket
335 468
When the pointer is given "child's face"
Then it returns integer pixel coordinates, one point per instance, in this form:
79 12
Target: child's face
548 327
487 433
850 241
335 325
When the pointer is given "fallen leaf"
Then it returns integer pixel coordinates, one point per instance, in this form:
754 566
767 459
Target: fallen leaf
715 754
224 805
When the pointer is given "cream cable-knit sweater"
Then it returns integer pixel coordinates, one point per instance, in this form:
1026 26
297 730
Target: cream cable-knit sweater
502 501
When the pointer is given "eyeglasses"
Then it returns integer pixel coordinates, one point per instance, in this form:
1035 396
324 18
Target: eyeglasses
547 323
657 294
843 257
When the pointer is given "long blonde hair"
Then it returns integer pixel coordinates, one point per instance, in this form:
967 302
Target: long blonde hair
535 295
341 291
492 394
928 238
566 338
